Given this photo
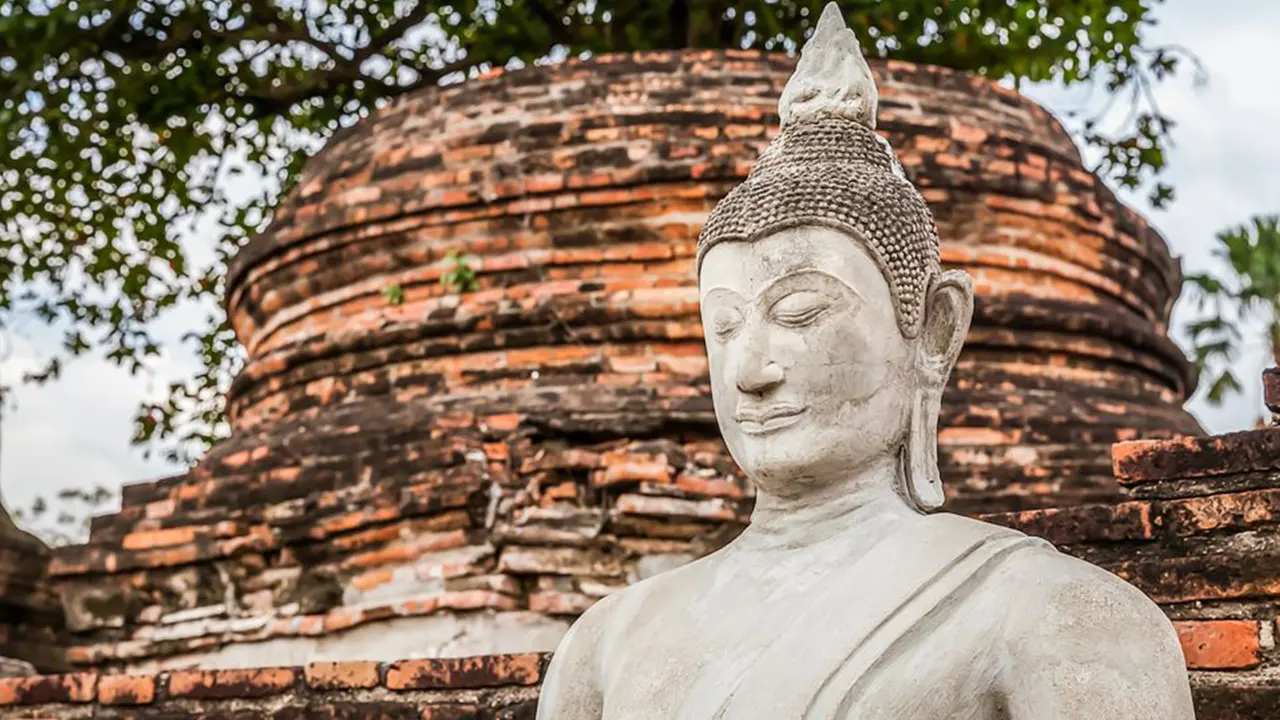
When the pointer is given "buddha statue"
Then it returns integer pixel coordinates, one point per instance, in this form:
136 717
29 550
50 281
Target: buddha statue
831 329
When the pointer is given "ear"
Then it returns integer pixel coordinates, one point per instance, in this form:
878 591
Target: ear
947 316
948 312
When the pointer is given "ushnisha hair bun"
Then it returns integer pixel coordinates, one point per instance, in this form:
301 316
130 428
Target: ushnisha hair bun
828 167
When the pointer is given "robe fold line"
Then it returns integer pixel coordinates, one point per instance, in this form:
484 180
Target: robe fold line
946 590
701 703
942 548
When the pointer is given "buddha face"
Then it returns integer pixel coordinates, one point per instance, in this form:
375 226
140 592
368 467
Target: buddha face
810 373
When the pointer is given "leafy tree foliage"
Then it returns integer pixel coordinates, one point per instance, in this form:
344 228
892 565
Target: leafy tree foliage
1252 292
124 122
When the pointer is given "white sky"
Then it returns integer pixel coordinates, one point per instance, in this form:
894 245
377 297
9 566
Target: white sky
1225 166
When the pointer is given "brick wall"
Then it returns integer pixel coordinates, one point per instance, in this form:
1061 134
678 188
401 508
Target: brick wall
488 688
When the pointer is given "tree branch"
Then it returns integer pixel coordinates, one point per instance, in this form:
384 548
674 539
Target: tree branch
394 31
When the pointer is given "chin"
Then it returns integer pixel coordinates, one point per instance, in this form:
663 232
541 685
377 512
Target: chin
803 456
774 467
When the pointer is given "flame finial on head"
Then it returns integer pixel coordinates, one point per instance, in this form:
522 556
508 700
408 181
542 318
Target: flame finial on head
832 75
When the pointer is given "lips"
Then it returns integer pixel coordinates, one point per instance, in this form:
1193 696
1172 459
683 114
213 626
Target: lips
760 420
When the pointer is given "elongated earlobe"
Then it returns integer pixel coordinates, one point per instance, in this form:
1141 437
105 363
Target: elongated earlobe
948 312
924 481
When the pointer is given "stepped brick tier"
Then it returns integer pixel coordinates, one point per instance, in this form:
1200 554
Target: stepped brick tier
442 457
31 621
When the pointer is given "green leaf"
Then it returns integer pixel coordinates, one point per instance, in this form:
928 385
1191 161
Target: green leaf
394 294
1222 386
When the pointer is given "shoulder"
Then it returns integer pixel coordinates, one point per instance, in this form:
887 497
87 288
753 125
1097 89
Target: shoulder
1070 596
1084 638
1060 595
604 625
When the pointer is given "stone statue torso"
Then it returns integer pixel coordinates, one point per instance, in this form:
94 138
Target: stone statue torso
814 641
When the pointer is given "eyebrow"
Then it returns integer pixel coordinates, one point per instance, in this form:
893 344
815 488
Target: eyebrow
719 290
813 272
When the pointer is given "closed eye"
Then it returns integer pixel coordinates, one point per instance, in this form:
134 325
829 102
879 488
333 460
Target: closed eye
725 321
799 309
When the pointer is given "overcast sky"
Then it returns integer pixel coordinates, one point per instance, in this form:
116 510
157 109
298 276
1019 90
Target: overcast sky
1225 166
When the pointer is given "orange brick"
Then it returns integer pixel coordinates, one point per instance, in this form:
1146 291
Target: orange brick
71 688
509 421
216 684
341 619
968 134
159 538
711 487
632 470
952 161
343 675
368 581
1219 644
931 143
169 558
126 689
463 673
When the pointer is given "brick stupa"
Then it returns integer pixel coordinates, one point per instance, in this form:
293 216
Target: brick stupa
423 464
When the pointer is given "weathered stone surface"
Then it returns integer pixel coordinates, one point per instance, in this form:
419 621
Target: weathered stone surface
1145 461
1271 389
465 672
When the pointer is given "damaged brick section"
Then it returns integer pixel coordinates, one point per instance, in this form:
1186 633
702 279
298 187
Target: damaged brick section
495 687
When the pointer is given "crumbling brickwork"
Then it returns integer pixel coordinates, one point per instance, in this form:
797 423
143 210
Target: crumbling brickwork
488 688
444 459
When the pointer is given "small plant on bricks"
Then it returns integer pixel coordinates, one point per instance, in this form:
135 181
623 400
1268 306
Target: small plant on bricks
393 293
461 277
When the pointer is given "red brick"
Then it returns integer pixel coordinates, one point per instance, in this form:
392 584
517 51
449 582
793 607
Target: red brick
463 673
41 689
212 684
342 675
711 487
1219 644
509 421
633 471
126 689
158 538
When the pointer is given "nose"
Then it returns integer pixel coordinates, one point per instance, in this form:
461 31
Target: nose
758 374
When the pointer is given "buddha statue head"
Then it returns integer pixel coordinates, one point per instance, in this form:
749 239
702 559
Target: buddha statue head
831 327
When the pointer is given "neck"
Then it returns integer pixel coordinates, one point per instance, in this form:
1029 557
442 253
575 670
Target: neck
831 510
